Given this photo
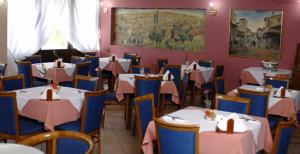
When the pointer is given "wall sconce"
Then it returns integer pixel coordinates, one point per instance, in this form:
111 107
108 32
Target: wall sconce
104 9
212 10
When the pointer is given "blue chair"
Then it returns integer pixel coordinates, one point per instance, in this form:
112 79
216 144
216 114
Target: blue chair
283 135
162 62
2 69
91 116
93 65
277 82
136 69
219 71
83 68
34 59
86 83
66 142
25 69
77 59
12 126
176 139
220 85
15 82
153 87
145 110
233 104
90 53
205 63
259 101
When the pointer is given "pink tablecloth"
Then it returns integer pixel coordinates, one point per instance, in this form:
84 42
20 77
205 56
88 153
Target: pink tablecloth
248 78
55 74
52 113
114 67
168 87
285 107
221 143
197 76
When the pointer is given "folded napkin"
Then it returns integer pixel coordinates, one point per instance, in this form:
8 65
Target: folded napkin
61 63
165 77
239 126
278 93
44 94
192 65
174 120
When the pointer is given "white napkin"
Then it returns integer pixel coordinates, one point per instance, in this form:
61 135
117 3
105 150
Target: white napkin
278 93
44 94
174 120
61 63
165 77
192 65
239 126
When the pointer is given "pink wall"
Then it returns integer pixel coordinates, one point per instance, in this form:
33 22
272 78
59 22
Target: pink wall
216 34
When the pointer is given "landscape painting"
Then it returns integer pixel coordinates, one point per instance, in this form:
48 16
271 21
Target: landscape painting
176 29
255 34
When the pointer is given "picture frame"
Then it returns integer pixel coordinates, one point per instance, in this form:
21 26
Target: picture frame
175 29
255 33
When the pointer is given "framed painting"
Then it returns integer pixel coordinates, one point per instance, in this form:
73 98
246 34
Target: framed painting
255 34
176 29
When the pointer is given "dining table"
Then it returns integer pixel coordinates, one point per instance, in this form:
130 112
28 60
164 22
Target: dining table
50 71
64 107
119 65
276 106
256 137
255 75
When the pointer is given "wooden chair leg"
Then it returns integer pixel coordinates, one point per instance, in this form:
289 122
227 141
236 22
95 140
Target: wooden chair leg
134 125
103 119
99 144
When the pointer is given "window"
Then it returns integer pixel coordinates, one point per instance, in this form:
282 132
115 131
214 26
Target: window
55 41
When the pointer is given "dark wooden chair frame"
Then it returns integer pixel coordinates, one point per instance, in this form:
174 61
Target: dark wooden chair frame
26 63
87 78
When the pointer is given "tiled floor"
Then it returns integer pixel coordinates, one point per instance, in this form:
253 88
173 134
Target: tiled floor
117 140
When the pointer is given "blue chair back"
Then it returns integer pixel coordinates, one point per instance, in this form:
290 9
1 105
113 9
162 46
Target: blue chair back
71 146
259 101
8 113
34 59
219 70
92 111
86 83
145 110
162 62
25 69
15 82
83 68
2 69
277 82
177 139
93 65
184 86
220 85
208 63
283 135
152 84
175 70
77 59
232 104
136 69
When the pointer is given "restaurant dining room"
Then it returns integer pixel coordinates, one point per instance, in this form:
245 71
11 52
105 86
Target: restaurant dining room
149 77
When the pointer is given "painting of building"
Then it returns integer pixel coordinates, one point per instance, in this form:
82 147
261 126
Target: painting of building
255 34
176 29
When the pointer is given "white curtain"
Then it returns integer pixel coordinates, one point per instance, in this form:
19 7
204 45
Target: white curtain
31 22
29 25
80 24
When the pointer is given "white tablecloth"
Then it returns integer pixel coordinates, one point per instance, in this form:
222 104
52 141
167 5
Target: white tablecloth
205 71
125 63
295 95
258 73
194 116
9 148
75 96
68 67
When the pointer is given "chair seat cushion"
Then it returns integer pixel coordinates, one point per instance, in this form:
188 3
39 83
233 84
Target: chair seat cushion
73 125
28 126
273 122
